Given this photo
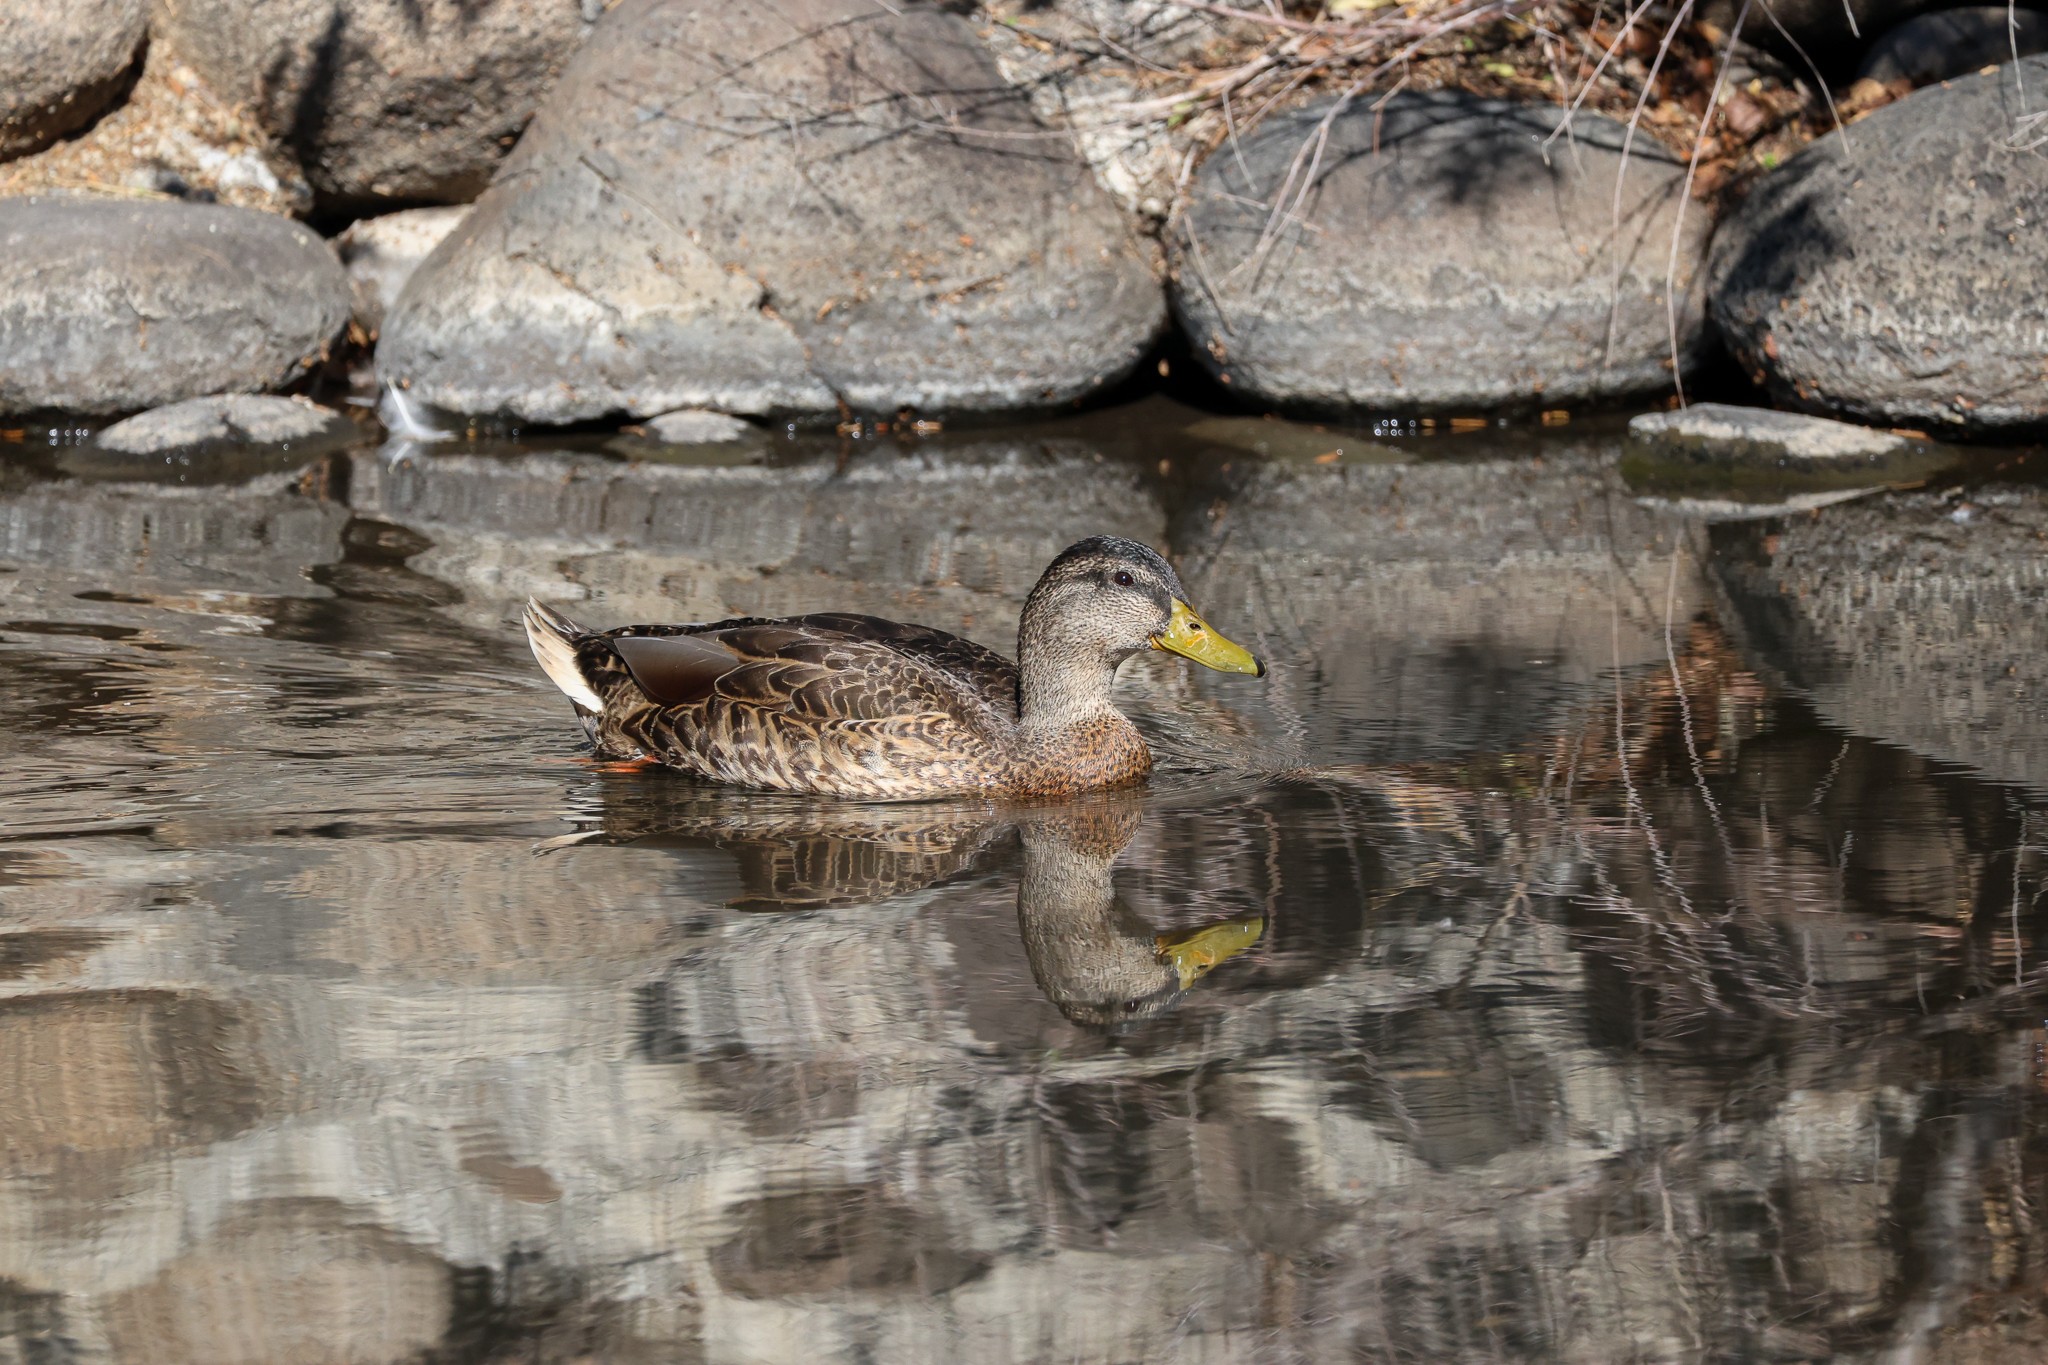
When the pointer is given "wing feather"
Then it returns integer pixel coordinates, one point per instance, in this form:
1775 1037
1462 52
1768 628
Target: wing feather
833 702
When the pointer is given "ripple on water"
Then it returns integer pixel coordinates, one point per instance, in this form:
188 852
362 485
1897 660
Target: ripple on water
1541 964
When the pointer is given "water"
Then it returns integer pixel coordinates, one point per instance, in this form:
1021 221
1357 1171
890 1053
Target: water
1602 938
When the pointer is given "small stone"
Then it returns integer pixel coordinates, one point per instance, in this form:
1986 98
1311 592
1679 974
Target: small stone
1748 455
696 427
238 419
381 253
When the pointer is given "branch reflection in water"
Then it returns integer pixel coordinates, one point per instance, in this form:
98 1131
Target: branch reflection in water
1663 993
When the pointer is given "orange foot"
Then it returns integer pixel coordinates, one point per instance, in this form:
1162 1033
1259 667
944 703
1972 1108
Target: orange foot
624 765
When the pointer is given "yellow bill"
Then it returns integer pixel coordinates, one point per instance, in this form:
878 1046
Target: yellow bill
1193 955
1189 636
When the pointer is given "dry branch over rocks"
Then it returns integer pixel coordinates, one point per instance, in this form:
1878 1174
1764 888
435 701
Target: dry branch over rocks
1155 87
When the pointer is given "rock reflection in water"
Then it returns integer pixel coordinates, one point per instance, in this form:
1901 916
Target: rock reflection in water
1597 994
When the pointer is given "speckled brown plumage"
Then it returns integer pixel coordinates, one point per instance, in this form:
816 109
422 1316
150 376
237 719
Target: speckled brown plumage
847 705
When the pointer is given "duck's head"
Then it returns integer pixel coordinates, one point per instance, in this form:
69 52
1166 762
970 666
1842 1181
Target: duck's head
1104 599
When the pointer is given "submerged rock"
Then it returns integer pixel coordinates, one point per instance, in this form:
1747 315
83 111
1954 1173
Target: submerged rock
381 253
1917 618
778 210
110 306
1908 284
236 419
384 99
1714 446
63 62
1954 42
1437 255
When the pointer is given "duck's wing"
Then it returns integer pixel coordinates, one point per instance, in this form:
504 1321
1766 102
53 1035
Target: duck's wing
798 703
979 667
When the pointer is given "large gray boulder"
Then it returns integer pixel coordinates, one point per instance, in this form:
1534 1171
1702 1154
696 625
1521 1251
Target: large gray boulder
383 100
111 306
62 63
1436 255
1902 279
778 209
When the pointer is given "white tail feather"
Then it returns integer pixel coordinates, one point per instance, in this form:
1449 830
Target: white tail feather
553 637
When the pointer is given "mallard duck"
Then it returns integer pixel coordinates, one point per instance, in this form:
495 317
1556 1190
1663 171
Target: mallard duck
840 704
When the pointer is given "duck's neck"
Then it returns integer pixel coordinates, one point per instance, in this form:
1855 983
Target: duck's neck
1059 689
1069 737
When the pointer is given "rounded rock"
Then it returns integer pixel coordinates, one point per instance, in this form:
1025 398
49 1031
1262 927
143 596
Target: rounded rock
383 100
778 209
1906 284
1756 453
239 419
1438 254
111 306
1804 33
65 60
696 427
1954 42
381 253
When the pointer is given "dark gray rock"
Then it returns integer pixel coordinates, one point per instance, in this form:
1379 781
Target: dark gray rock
778 210
111 306
383 100
1906 285
381 253
1954 42
1826 32
62 60
238 419
1713 446
1441 259
1917 618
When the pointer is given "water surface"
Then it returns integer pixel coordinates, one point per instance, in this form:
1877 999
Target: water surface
1602 938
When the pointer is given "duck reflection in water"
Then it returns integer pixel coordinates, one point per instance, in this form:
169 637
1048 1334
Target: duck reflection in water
1095 958
1098 961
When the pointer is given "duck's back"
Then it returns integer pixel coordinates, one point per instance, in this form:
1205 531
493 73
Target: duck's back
833 703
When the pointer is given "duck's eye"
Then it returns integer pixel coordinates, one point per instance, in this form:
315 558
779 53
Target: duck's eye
1123 579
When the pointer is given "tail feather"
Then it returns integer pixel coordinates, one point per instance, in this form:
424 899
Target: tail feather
553 637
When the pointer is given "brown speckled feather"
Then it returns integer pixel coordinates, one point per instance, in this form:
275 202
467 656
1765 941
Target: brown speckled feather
833 703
